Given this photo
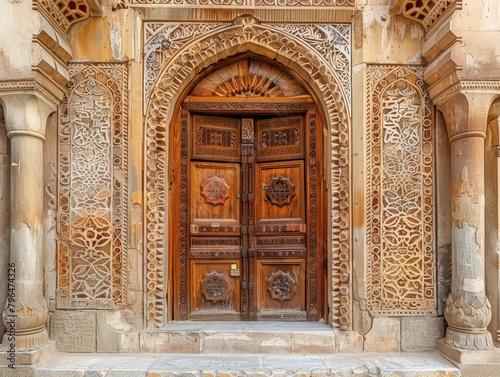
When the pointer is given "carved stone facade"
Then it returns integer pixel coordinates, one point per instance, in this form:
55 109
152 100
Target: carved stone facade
381 115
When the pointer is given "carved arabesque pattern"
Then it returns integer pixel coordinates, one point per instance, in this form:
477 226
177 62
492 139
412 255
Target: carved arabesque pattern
163 40
296 44
400 187
92 222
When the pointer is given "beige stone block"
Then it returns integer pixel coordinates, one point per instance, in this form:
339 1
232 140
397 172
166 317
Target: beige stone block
74 331
384 336
169 342
265 342
114 333
420 334
313 342
349 341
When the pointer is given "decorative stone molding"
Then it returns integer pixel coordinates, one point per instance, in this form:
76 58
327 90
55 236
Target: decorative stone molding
174 53
33 86
425 12
464 85
400 193
248 3
92 215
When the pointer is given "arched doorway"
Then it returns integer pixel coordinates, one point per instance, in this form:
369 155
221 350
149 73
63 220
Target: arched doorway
247 197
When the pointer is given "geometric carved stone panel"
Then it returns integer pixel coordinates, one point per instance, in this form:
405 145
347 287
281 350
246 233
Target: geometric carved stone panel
92 197
400 193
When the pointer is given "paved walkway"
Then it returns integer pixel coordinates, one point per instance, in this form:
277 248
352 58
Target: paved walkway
156 365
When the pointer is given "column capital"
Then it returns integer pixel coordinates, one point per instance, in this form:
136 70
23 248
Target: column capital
26 114
466 111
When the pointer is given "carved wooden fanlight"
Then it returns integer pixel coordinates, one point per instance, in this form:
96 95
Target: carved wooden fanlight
249 78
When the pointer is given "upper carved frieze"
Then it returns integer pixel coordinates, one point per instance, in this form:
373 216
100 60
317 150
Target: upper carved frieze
248 3
425 12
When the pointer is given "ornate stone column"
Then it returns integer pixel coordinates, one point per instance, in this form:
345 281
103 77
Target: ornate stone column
468 310
25 314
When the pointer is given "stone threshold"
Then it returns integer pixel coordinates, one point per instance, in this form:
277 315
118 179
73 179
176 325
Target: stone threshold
243 337
222 365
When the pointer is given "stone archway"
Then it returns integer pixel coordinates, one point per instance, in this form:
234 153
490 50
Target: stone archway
318 54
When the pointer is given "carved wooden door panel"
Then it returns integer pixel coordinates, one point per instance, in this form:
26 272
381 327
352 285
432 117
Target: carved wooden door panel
214 218
280 219
247 215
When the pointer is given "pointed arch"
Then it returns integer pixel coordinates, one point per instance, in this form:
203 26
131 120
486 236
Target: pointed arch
319 55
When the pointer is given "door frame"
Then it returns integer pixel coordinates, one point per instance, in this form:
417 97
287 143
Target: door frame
178 294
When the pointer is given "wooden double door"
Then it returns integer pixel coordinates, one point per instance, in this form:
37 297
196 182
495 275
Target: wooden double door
249 226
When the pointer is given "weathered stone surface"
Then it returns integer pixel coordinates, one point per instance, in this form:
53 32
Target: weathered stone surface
349 341
188 342
420 334
74 331
384 336
114 332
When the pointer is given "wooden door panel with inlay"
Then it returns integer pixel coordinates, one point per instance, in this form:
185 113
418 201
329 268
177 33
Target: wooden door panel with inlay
215 191
215 294
279 195
281 289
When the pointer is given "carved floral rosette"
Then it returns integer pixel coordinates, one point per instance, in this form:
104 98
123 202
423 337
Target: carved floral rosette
92 211
400 193
173 52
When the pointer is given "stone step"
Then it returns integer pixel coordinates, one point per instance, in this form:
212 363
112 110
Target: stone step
241 337
222 365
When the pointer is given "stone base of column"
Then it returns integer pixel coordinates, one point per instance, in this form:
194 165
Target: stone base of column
467 357
474 341
27 357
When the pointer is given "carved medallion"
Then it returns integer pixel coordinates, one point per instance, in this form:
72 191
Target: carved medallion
281 286
215 190
280 191
215 287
